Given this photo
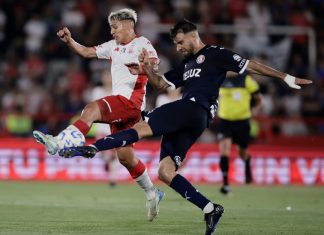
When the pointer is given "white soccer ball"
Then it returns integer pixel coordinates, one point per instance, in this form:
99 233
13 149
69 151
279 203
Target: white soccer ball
70 138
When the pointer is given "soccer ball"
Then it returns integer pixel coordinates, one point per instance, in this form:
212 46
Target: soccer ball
70 138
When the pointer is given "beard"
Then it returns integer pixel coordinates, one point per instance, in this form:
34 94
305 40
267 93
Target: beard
188 52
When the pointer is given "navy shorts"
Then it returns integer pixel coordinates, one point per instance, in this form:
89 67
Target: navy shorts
181 123
238 131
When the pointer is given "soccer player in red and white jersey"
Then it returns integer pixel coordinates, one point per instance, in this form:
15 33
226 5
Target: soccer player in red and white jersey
123 108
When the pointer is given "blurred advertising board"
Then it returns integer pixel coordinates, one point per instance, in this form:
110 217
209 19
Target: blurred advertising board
24 159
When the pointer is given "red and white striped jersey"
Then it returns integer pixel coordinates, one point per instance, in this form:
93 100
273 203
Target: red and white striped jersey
133 87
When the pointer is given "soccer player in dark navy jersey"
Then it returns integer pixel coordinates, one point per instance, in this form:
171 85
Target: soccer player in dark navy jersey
181 122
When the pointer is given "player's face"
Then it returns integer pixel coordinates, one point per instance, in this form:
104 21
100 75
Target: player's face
184 44
120 30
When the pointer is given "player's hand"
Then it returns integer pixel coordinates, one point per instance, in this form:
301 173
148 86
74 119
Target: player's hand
64 34
147 62
144 57
294 82
134 68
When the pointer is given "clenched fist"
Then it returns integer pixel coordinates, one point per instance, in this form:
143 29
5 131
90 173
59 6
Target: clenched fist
65 35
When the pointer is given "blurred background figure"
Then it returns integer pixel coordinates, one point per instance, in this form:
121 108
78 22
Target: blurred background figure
238 96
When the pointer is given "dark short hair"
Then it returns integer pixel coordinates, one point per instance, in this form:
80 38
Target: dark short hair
184 26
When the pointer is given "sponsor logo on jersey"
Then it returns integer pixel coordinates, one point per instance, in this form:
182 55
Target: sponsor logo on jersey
116 49
242 63
237 58
200 59
191 73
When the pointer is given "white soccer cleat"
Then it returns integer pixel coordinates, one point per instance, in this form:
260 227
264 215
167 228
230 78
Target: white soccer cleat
49 141
153 204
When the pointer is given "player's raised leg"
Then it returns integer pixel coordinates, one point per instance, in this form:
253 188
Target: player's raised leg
53 144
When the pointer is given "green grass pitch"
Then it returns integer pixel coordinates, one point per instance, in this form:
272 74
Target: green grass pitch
38 208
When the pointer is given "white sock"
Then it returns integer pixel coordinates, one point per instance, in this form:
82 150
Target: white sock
73 128
208 208
145 183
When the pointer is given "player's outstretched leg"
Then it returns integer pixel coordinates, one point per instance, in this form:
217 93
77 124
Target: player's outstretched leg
153 204
212 219
212 212
49 141
84 151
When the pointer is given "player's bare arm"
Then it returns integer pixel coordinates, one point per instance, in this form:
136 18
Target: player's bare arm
150 67
135 68
86 52
293 82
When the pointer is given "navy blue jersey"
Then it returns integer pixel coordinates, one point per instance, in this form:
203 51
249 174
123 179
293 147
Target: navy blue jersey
202 74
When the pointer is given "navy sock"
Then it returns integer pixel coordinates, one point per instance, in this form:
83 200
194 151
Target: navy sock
182 186
117 140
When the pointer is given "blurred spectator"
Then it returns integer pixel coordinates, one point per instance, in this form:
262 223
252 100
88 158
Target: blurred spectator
295 126
3 19
19 123
39 73
35 30
146 20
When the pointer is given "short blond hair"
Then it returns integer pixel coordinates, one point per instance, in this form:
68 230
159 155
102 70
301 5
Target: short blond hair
123 14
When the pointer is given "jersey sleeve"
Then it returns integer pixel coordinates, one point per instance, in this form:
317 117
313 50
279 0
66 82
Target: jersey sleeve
103 51
174 77
229 60
145 43
251 85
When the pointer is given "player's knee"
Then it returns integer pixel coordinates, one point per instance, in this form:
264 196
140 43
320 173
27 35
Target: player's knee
143 129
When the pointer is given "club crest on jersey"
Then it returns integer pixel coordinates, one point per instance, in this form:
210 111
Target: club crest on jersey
200 59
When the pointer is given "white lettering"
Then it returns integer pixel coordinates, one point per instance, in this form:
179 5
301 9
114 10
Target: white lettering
77 167
26 168
278 169
239 175
4 163
259 172
322 172
53 166
191 73
210 169
308 173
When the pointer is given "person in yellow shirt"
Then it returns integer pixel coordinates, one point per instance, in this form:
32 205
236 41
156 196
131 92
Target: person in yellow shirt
237 97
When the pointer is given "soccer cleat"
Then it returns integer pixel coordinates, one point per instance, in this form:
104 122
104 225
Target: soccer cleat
153 204
212 219
48 140
226 190
84 151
